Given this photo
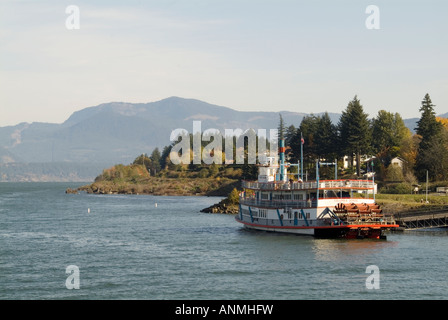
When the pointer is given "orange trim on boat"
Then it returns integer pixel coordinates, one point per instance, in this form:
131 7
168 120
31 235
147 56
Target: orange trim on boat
348 226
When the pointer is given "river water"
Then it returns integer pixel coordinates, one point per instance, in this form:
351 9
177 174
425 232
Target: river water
155 247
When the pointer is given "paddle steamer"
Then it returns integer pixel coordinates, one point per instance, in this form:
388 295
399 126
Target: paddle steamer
320 208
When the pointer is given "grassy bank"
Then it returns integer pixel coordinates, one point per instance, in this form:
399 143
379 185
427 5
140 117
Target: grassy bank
164 186
394 203
135 179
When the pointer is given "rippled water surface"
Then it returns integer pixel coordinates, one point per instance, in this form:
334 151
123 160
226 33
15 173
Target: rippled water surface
127 247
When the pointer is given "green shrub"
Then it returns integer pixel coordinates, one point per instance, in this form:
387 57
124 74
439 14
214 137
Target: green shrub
234 197
204 173
397 188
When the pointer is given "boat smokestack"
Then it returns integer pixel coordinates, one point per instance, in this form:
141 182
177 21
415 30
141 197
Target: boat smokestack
281 152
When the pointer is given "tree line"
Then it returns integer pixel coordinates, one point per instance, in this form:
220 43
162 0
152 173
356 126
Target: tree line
378 140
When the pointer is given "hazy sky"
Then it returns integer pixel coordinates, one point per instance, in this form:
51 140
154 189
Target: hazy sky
304 56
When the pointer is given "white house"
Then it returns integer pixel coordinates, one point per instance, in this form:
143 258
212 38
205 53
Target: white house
397 161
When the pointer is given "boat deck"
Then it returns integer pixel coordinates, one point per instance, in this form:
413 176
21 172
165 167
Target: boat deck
309 185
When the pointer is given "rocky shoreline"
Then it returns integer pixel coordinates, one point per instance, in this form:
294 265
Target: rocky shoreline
229 205
171 187
222 208
162 187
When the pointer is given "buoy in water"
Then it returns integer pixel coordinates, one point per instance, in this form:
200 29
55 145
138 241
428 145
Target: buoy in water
88 210
155 205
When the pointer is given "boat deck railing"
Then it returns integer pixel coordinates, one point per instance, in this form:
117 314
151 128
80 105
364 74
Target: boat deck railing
278 204
306 185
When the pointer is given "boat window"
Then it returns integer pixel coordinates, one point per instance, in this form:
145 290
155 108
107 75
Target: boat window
344 194
298 196
278 196
331 194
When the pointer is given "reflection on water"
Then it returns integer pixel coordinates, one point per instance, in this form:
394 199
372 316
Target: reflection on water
338 249
428 232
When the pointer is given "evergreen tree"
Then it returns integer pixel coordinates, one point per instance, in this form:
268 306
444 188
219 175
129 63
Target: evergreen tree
325 137
428 126
290 134
165 157
354 132
155 161
281 129
319 135
309 128
433 158
431 154
294 147
249 172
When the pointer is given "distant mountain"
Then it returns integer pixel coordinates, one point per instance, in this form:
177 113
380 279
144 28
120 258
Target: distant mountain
411 123
118 132
50 171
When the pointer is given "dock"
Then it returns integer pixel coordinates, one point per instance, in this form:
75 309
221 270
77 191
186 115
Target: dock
422 219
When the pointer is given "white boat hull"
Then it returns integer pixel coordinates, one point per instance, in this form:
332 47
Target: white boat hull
298 231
